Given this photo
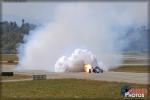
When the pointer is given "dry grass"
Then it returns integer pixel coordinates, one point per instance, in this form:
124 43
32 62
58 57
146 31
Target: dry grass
8 57
16 76
138 69
137 61
63 88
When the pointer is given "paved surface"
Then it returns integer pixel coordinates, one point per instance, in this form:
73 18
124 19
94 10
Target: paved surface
127 77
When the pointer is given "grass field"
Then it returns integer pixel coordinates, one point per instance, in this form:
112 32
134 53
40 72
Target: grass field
7 57
63 88
137 61
138 69
16 76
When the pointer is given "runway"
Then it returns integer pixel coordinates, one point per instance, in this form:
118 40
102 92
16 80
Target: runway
125 77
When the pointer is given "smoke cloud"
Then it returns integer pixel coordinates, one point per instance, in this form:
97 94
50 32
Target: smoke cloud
79 33
76 61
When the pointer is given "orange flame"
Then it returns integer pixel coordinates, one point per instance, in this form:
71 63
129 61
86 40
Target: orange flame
87 67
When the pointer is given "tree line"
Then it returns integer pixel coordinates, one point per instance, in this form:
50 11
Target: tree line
12 34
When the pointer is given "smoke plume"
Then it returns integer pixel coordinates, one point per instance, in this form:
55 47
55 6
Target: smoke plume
79 33
76 61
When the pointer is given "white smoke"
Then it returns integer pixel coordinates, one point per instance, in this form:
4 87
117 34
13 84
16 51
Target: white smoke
76 61
87 26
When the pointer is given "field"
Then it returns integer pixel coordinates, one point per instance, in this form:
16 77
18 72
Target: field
16 76
8 57
63 88
137 69
54 89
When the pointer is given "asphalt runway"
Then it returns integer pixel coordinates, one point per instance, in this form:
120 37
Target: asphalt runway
125 77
